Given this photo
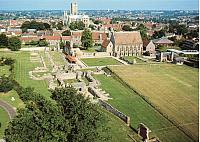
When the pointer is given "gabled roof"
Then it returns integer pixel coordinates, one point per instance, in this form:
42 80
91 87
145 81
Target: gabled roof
52 37
145 42
66 38
162 41
105 43
96 35
127 38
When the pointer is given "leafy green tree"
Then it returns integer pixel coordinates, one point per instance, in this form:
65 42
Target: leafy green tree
14 43
92 27
41 120
143 31
6 84
83 116
42 43
77 25
66 33
97 22
3 41
71 118
127 28
158 34
60 25
86 39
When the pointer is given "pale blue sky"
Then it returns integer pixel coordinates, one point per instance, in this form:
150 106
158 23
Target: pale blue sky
100 4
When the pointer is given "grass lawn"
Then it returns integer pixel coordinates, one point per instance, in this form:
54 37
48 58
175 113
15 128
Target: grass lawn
125 100
117 129
4 70
57 57
4 119
18 103
100 61
173 89
22 68
132 58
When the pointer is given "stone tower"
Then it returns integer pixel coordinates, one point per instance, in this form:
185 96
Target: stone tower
74 8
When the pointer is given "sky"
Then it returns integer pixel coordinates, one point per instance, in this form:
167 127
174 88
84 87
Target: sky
100 4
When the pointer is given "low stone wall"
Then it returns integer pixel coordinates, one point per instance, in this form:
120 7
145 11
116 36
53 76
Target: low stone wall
116 112
95 54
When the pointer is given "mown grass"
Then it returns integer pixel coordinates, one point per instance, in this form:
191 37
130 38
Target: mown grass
57 57
4 119
100 61
132 58
4 70
21 69
128 102
172 89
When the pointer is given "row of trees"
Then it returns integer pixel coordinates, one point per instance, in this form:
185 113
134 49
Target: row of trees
35 25
12 43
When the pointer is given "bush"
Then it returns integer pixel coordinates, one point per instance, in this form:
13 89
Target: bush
6 84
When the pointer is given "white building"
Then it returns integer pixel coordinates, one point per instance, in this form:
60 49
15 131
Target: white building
73 16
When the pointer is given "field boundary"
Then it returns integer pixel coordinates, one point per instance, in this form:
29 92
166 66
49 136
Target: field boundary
115 76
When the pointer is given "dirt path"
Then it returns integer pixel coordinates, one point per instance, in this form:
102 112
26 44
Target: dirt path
9 109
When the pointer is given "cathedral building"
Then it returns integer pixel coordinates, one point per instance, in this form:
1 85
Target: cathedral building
74 16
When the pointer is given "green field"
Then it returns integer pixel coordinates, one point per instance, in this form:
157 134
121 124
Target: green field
172 89
100 61
132 58
125 100
4 119
4 70
57 57
22 67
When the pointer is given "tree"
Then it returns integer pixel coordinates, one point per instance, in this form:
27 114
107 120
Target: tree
40 120
158 34
77 25
70 118
127 28
59 25
42 43
3 41
14 43
66 33
83 116
143 31
6 84
97 22
86 39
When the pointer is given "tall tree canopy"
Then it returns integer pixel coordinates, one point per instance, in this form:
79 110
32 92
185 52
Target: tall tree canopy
66 33
77 25
35 25
3 40
14 43
86 39
71 118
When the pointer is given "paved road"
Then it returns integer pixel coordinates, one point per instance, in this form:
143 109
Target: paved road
10 110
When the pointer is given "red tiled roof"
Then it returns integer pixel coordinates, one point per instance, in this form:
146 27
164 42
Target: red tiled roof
96 36
128 38
66 38
28 39
52 37
114 26
71 58
105 43
145 42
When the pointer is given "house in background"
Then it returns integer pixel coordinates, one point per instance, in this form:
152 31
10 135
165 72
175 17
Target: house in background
107 46
163 41
149 46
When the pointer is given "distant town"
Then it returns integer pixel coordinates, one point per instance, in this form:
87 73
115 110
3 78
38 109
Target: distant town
99 75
